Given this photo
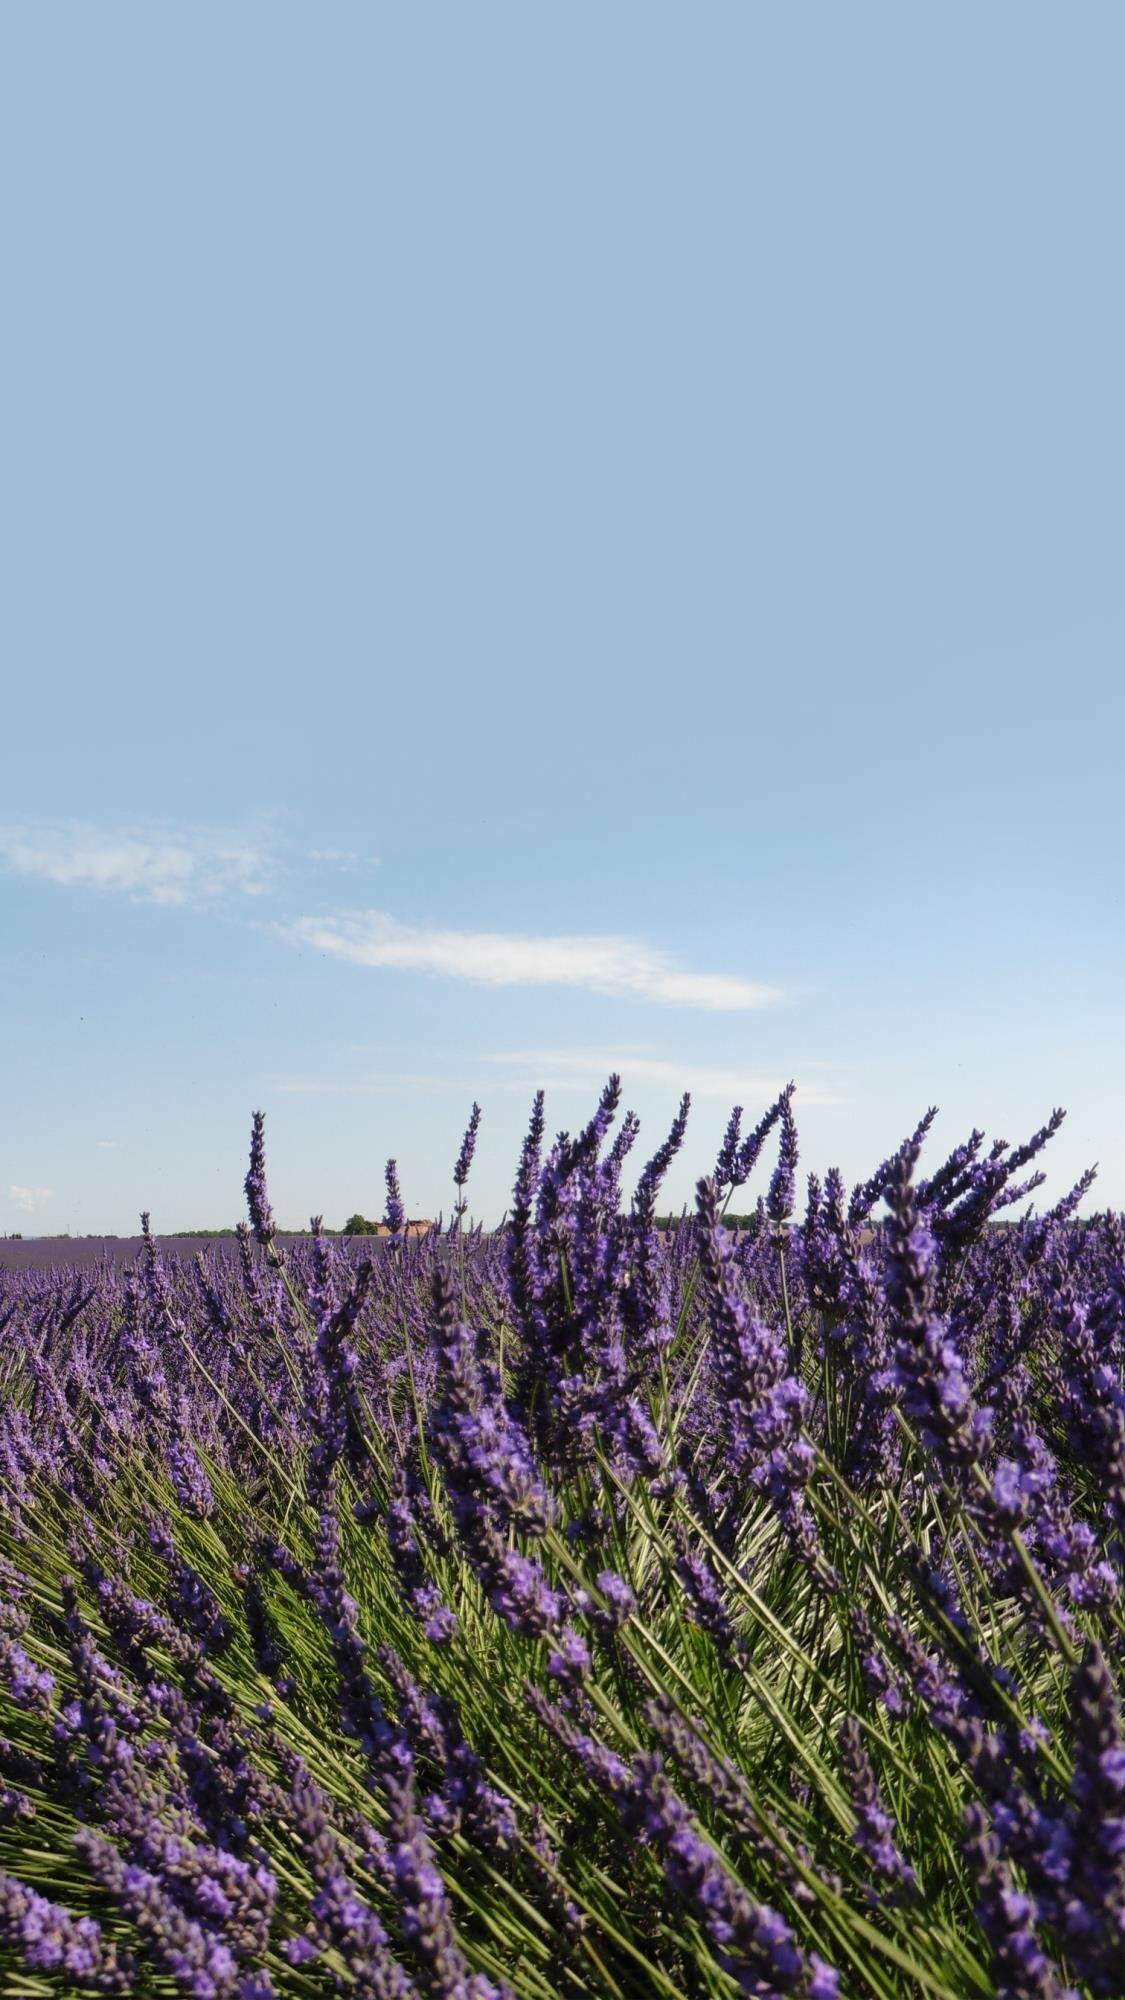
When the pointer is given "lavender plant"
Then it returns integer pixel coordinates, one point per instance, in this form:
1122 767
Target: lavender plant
592 1609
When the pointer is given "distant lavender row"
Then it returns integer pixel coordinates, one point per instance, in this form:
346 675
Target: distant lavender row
86 1253
586 1610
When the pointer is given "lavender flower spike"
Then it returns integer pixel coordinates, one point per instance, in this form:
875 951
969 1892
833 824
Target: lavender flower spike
51 1939
394 1214
257 1194
875 1829
1007 1917
928 1371
753 1943
725 1165
783 1187
468 1148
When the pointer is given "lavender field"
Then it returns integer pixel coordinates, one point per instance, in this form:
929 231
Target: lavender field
584 1610
91 1253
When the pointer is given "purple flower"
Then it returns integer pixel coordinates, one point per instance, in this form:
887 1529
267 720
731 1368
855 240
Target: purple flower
704 1595
518 1239
201 1964
646 1299
394 1214
875 1829
1008 1918
484 1454
1095 1907
466 1796
928 1371
753 1942
333 1408
192 1602
423 1905
621 1601
257 1194
763 1406
605 1767
569 1662
341 1917
30 1686
867 1193
411 1528
783 1186
747 1156
725 1165
50 1939
468 1148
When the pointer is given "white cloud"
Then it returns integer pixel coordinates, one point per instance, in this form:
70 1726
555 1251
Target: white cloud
152 863
29 1198
108 1145
342 857
620 966
358 1086
586 1069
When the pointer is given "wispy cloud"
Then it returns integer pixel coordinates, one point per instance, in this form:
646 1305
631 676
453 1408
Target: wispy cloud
150 862
108 1145
359 1086
586 1069
620 966
583 1070
342 857
29 1198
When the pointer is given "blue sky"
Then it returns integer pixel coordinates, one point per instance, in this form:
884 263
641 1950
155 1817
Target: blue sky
546 538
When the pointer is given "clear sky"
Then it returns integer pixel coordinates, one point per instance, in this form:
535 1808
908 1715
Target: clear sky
540 539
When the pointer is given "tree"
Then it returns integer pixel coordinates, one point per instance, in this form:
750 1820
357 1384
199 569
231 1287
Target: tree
358 1225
